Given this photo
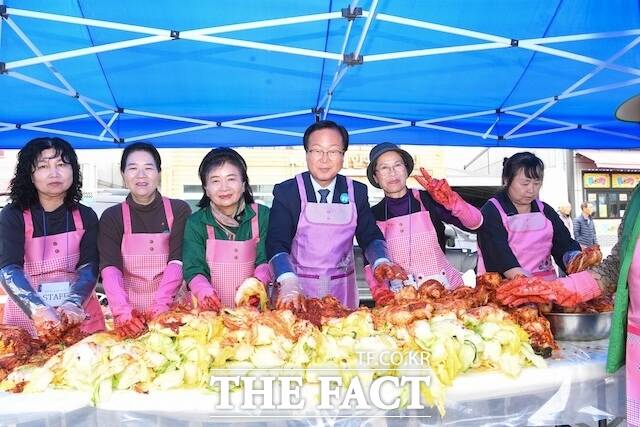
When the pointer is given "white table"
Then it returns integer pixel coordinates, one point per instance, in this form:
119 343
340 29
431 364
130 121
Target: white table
573 389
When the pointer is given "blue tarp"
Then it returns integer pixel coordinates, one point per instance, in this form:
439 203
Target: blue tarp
215 81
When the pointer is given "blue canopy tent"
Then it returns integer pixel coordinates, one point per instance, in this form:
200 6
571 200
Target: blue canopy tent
257 73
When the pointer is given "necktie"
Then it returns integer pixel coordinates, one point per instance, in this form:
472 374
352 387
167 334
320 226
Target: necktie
323 195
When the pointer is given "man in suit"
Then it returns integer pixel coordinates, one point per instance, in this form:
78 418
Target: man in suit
313 220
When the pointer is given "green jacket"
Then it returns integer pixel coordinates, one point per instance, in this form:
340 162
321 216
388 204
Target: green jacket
195 239
628 241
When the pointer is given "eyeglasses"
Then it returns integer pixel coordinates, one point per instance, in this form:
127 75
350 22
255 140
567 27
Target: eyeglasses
388 169
319 154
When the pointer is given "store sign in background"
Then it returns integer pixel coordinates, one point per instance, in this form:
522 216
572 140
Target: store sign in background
625 180
596 180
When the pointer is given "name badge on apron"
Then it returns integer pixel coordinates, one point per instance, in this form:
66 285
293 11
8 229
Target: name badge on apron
54 293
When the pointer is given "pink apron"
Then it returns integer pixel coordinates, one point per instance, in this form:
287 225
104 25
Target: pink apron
53 259
413 243
231 262
530 238
633 343
322 249
144 258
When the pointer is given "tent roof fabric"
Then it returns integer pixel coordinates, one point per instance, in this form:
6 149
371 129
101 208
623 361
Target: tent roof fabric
254 73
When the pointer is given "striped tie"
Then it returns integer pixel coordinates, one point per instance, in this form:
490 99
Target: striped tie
323 195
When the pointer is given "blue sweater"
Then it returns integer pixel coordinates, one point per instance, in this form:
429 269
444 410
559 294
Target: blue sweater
584 231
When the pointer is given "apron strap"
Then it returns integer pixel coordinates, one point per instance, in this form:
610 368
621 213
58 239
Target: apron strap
503 214
416 194
28 223
302 191
126 217
352 198
335 277
77 219
168 212
210 232
255 229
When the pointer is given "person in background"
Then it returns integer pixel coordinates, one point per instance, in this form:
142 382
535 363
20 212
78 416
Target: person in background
564 212
412 221
48 251
224 241
140 243
314 219
584 229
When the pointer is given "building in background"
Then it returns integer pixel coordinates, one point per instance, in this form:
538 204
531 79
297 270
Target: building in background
606 179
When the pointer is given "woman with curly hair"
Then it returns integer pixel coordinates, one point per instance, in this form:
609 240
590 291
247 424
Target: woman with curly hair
48 243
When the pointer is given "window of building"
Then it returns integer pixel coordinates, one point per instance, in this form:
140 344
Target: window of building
608 192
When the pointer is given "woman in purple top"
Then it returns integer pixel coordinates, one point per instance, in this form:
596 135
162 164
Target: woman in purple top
412 221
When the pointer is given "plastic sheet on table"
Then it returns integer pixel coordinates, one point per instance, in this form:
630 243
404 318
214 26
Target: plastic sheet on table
573 389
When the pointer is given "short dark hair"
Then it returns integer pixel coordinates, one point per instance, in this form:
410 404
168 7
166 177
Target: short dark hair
140 146
531 164
584 205
326 124
216 158
23 192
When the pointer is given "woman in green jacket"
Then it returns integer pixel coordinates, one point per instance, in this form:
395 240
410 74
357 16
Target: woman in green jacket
224 253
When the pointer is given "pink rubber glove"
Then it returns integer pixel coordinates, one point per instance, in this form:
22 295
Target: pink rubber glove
263 273
380 291
578 288
469 215
567 291
169 285
205 294
72 312
442 193
113 284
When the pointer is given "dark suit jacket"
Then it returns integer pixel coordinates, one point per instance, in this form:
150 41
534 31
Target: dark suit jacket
285 212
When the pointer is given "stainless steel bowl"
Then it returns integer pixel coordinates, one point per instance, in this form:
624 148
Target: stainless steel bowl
580 326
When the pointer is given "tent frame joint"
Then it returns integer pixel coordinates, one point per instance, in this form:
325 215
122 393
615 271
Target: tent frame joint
318 113
514 42
119 140
351 59
174 34
3 11
119 110
579 125
350 13
3 68
218 124
413 123
498 111
18 126
500 137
